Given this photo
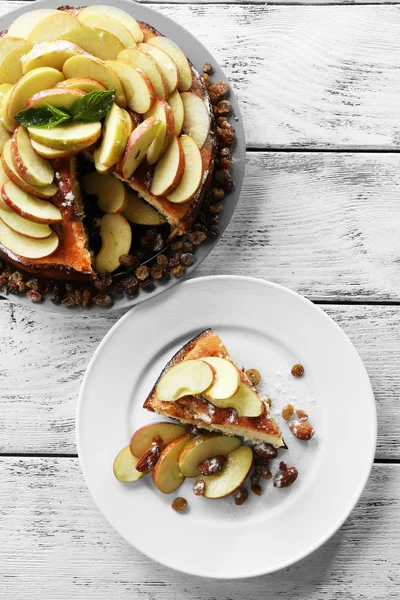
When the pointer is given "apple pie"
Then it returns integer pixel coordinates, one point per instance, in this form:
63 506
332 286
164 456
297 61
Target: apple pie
203 386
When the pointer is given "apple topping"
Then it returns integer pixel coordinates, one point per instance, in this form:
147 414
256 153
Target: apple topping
160 110
138 143
81 83
116 238
49 54
141 213
192 174
69 136
234 473
5 135
27 247
87 16
196 121
227 379
29 207
23 226
139 91
99 42
31 167
58 97
50 153
179 58
176 104
23 25
203 447
187 378
125 466
8 45
169 170
114 138
246 402
138 58
166 65
111 192
144 438
45 192
53 26
11 67
166 474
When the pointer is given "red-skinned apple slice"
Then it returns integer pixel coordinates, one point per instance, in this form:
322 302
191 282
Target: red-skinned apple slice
176 104
50 153
81 83
114 138
166 65
5 135
28 207
187 378
196 122
94 68
11 67
166 474
33 168
91 14
111 193
142 439
58 97
23 226
201 448
99 42
71 136
160 110
139 91
193 173
234 473
179 58
141 213
27 247
138 58
116 238
138 143
45 192
124 466
49 54
53 27
169 170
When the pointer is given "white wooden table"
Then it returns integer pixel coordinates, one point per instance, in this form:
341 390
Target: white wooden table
319 87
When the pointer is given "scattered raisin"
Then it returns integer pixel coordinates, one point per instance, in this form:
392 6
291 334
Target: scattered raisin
287 412
224 179
282 466
214 230
156 272
162 260
34 296
68 302
241 496
33 284
147 285
130 285
69 287
103 281
254 376
179 504
217 91
197 237
16 276
226 135
207 68
103 300
224 163
187 247
173 261
128 261
216 208
186 259
224 107
302 415
263 470
297 370
255 485
217 194
199 487
175 246
3 282
206 79
159 243
142 272
177 271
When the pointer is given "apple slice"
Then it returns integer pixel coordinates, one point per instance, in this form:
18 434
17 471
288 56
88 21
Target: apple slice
5 121
31 83
50 153
138 89
8 45
227 379
196 121
141 213
201 448
49 54
116 237
142 439
138 58
23 226
29 207
33 168
160 110
169 171
114 139
187 378
58 97
11 67
45 192
124 466
87 16
166 474
81 83
176 104
138 143
27 247
69 136
5 135
235 471
193 173
245 402
4 88
94 68
111 192
166 65
101 21
100 43
53 26
179 58
23 25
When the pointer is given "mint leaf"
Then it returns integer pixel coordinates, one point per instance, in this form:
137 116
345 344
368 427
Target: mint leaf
45 117
93 107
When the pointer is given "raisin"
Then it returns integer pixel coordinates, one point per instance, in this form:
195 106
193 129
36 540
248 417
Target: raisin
103 282
68 302
282 466
224 163
34 296
187 259
159 243
197 237
162 260
177 271
173 261
256 489
179 504
287 412
216 208
226 136
128 261
78 297
16 276
214 230
16 287
302 415
103 300
224 179
86 298
217 91
147 285
3 282
175 246
263 471
297 370
130 285
142 273
207 68
187 247
69 287
241 496
156 272
217 194
224 107
206 79
254 376
33 284
199 487
226 153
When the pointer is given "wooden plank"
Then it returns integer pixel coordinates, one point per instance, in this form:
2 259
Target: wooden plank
306 76
44 356
56 544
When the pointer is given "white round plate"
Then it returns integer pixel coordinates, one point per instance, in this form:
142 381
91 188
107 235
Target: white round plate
266 327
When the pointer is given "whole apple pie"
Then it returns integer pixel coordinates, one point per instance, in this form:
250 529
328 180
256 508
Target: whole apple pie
107 133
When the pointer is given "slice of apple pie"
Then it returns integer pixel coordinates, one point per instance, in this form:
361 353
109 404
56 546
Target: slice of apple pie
202 386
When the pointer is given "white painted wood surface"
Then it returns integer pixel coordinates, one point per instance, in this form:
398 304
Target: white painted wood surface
317 76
